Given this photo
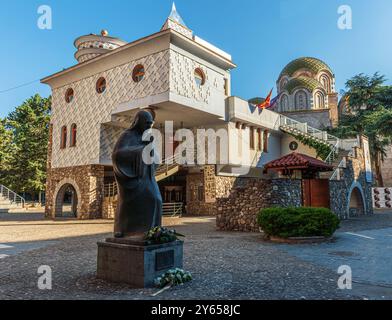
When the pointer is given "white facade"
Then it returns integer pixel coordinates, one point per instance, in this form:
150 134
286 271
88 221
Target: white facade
169 59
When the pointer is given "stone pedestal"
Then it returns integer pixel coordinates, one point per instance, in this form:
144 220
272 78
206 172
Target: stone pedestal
133 262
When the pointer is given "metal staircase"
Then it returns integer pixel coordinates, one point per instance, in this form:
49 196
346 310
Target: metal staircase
10 200
295 127
168 168
341 149
173 209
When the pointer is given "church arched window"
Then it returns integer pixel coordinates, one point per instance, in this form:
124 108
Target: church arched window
319 100
301 100
284 103
326 83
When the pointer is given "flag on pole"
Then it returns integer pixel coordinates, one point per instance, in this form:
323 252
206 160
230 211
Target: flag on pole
267 102
274 101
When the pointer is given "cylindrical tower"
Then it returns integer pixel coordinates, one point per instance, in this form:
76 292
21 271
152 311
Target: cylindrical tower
92 45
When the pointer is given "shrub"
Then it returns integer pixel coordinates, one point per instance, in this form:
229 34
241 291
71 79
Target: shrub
298 222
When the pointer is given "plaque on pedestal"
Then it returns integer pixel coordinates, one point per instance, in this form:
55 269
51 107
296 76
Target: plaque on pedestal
135 263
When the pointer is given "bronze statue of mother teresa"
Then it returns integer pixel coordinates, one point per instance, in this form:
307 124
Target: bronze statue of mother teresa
139 206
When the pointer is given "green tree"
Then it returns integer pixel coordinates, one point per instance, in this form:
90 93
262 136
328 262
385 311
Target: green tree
370 105
29 126
5 150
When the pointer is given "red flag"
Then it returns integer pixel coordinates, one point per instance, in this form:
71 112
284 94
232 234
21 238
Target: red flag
267 101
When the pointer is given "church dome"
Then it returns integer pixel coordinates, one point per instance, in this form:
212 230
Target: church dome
302 82
92 45
313 65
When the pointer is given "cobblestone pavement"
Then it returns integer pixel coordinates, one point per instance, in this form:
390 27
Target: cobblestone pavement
225 265
380 220
364 244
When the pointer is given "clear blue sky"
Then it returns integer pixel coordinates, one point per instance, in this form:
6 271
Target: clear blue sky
262 36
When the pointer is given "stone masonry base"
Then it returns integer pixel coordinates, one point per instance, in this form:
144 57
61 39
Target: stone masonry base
88 183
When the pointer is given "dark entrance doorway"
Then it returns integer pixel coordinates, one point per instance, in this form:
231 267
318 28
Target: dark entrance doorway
67 202
315 193
173 191
356 206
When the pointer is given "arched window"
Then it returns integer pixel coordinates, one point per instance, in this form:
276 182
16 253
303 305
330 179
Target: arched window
63 137
200 77
69 95
284 103
319 101
324 79
101 85
138 73
301 100
73 135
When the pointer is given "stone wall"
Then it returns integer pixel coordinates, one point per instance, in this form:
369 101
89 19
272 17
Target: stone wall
386 168
88 182
109 207
203 189
238 211
200 192
351 181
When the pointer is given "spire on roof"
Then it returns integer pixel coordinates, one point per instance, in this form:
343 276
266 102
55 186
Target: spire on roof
175 22
175 16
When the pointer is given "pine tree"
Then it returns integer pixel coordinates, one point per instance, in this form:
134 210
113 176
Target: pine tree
370 103
29 125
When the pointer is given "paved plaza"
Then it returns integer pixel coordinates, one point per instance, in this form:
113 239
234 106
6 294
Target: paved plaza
225 265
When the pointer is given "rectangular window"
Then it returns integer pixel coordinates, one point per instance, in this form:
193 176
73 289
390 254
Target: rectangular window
200 193
227 92
265 142
259 148
252 138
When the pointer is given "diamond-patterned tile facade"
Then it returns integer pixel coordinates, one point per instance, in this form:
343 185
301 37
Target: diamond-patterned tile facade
89 109
166 70
182 79
109 137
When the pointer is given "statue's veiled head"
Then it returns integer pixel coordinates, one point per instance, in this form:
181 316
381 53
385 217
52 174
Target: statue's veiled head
143 121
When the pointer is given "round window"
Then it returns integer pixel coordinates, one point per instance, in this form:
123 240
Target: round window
101 85
138 73
293 145
200 77
69 95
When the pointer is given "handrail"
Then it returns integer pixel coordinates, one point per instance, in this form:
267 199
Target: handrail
305 128
12 196
111 189
321 135
172 209
331 157
340 165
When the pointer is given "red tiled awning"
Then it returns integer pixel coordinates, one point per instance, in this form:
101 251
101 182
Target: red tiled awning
298 161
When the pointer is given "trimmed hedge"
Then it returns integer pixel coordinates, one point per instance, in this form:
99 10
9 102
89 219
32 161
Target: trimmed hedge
298 222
